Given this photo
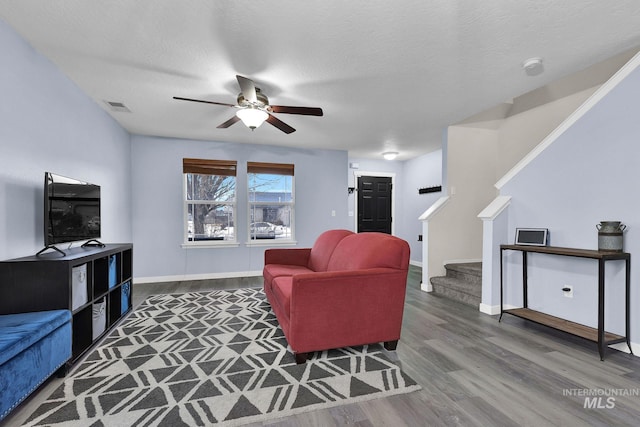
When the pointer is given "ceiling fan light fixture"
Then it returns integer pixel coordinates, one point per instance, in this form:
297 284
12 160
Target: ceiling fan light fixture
390 155
252 117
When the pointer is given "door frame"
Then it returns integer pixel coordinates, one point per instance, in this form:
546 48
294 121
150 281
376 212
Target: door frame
392 175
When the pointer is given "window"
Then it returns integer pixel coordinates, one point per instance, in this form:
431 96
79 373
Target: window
210 200
271 201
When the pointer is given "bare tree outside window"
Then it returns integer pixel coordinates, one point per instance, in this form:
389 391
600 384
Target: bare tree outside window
210 203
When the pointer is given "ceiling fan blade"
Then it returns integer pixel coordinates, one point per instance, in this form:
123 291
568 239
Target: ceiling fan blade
307 111
280 124
247 88
229 122
203 101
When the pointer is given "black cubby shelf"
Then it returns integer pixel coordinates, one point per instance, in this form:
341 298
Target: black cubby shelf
93 282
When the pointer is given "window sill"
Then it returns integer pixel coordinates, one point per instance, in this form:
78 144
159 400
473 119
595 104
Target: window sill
271 242
209 244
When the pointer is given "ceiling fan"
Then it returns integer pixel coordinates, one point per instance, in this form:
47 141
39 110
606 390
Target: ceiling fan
254 109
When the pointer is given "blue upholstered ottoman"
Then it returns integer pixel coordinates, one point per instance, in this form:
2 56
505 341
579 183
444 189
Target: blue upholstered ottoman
33 346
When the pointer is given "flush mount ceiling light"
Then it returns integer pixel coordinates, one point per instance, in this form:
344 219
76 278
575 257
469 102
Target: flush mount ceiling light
252 117
533 66
390 155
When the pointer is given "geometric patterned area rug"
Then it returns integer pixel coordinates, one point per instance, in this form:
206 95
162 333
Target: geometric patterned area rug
211 358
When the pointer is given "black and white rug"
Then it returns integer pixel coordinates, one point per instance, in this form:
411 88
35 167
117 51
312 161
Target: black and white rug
219 357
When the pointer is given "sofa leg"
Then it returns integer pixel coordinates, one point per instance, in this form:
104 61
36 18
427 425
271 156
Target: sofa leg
62 371
391 345
301 357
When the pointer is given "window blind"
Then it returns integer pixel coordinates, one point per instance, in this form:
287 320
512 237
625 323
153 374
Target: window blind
210 167
270 168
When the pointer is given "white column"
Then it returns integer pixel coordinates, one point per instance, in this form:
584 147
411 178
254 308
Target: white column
494 233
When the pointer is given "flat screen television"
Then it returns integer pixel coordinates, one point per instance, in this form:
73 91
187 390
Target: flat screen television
71 210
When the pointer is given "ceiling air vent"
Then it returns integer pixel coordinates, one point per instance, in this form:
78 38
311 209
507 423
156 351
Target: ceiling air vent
117 107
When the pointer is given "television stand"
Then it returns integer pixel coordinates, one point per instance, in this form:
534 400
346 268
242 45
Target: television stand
93 283
92 242
55 248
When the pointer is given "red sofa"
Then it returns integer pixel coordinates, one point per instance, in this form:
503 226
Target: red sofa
347 290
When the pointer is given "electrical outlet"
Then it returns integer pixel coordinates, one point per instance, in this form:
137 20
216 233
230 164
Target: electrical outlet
567 291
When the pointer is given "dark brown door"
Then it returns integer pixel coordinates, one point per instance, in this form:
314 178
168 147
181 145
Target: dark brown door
374 204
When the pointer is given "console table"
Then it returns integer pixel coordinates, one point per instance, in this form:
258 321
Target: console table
598 335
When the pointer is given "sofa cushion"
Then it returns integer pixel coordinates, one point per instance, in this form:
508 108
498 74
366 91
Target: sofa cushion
271 271
20 331
324 246
369 250
282 287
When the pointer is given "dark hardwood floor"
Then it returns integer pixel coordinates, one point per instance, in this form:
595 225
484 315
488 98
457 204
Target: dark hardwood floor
473 371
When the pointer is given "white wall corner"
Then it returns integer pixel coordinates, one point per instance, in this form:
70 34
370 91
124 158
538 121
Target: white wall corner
494 232
425 284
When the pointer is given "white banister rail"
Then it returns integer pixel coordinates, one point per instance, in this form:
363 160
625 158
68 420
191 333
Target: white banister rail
425 217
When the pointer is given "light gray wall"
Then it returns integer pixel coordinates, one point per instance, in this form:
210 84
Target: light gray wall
48 124
423 171
589 174
320 188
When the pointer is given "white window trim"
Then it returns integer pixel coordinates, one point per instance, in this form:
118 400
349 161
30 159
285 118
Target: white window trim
273 242
187 244
210 244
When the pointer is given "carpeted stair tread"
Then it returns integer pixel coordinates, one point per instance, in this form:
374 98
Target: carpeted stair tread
468 272
457 285
473 268
462 283
456 295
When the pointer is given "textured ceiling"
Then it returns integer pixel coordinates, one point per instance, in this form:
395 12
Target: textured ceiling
389 75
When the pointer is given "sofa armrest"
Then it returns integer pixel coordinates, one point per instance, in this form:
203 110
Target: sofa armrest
287 256
340 308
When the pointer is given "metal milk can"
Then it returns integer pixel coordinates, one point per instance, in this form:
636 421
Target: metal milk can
610 235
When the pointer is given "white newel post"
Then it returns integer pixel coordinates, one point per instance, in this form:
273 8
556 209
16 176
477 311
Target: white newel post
425 285
494 233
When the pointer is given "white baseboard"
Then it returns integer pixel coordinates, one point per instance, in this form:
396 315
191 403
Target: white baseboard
206 276
428 287
489 309
416 263
622 346
492 310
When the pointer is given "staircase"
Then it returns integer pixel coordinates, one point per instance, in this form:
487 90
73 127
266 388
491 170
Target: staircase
462 283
